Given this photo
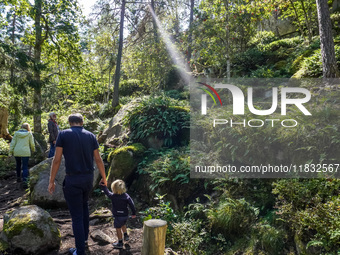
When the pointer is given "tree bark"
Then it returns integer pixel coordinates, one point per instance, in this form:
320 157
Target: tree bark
226 4
192 4
13 41
37 73
4 124
329 65
115 100
154 22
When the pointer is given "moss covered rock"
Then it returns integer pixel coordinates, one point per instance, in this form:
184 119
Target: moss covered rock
29 230
124 161
39 180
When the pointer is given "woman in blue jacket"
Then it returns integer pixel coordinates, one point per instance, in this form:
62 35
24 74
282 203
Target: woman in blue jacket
21 147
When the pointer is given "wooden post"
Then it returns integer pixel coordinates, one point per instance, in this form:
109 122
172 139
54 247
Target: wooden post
154 232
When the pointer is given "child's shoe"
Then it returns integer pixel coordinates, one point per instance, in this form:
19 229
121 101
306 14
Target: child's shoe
126 237
118 245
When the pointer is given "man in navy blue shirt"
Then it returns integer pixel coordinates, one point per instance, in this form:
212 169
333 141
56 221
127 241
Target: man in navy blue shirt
79 148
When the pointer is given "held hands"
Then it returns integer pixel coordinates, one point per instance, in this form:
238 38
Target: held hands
103 182
133 216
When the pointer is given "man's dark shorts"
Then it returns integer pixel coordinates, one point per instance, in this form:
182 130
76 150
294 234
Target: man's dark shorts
120 221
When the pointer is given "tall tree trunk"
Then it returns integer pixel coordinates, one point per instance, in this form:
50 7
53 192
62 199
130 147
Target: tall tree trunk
115 100
192 4
37 59
154 22
329 66
4 124
226 3
13 41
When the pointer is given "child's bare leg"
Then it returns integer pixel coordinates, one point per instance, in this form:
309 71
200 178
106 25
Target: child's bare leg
124 229
119 233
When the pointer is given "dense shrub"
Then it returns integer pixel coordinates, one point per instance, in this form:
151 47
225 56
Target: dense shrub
265 72
183 234
310 207
169 171
162 211
4 147
129 87
284 43
171 168
250 60
262 37
270 239
186 237
233 218
158 116
311 66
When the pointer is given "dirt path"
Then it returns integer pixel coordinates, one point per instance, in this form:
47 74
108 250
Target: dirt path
12 194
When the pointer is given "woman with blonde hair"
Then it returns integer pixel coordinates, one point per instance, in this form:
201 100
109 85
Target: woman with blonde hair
21 147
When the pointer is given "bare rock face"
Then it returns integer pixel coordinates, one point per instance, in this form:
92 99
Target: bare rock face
100 237
30 230
39 179
116 133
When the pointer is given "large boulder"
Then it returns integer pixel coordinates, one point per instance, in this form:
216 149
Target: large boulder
29 230
39 180
116 133
124 161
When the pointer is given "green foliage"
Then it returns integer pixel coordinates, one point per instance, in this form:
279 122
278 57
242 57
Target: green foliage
178 95
233 218
187 236
255 191
158 116
311 67
162 211
131 86
251 60
265 72
4 147
311 210
106 110
283 43
270 239
262 37
7 165
170 169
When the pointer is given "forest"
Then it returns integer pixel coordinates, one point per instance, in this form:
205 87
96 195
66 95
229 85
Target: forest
128 68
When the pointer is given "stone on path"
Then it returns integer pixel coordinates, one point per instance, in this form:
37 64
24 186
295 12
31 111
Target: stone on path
29 230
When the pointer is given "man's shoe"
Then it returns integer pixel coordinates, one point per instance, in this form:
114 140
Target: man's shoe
118 245
126 237
72 251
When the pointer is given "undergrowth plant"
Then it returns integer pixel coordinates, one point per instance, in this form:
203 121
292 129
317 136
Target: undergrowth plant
158 116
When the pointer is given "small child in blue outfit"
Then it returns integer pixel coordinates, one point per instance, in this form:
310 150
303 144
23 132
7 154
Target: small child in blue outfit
120 201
